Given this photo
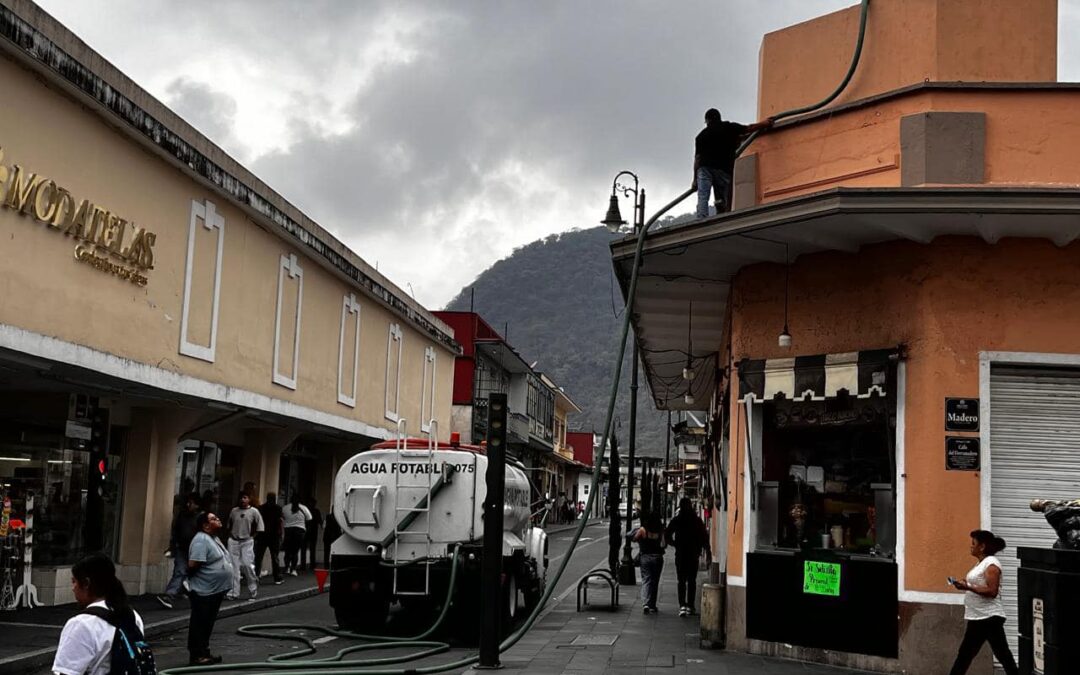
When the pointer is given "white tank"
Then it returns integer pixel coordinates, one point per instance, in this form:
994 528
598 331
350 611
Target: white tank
383 487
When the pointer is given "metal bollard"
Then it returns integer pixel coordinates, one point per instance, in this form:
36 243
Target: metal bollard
712 615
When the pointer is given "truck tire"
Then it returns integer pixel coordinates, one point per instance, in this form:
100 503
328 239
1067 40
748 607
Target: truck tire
510 601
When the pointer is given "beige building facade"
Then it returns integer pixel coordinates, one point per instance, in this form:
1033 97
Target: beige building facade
168 323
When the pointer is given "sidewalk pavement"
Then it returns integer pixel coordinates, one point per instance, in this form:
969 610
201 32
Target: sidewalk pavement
31 635
628 642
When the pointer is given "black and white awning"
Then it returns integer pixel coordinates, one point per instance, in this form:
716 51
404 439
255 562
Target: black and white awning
816 378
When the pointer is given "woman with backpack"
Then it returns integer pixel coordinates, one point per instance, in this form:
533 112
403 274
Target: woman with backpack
107 636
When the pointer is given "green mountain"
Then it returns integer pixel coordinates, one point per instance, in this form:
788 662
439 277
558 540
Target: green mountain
558 300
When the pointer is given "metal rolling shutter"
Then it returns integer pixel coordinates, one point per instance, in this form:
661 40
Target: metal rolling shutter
1034 452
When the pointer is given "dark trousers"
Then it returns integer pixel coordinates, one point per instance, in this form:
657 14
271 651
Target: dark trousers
990 630
294 540
204 611
311 541
262 545
326 543
686 569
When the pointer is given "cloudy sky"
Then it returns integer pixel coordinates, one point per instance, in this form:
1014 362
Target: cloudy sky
434 137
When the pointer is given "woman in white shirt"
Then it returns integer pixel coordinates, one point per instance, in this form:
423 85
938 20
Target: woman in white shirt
86 641
296 517
983 610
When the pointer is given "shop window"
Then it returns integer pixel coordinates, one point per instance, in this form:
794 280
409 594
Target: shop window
210 471
824 474
76 494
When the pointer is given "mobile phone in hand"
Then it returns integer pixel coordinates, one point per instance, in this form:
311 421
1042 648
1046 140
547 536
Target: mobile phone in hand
952 581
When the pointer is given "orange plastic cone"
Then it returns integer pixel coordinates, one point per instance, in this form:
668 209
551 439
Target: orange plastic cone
320 578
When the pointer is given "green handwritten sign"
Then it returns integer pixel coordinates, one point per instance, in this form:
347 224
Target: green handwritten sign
821 578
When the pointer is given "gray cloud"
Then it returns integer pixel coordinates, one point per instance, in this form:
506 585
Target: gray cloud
211 112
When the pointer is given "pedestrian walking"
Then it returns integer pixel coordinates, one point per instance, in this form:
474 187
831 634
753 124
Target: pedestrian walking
650 541
86 642
687 532
331 532
210 575
296 518
245 522
270 538
311 535
983 610
183 531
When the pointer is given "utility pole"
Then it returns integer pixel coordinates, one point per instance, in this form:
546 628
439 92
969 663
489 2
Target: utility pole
667 460
491 591
615 527
627 576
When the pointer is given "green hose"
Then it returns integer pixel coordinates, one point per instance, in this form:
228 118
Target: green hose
334 664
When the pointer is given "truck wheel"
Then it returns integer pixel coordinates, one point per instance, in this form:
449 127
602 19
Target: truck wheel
510 600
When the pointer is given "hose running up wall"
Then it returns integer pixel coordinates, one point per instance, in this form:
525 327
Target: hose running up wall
333 665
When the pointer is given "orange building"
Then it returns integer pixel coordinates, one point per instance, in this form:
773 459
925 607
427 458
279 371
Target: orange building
916 240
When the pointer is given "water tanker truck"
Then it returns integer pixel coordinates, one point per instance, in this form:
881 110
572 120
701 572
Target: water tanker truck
406 508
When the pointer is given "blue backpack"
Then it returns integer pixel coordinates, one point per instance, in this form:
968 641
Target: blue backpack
131 654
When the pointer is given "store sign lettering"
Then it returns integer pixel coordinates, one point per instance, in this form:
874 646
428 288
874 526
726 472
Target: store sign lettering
961 414
106 241
821 578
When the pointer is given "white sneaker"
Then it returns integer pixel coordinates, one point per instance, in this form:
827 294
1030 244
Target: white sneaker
293 573
683 611
230 596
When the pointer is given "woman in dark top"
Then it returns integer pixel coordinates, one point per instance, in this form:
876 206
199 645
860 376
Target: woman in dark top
650 541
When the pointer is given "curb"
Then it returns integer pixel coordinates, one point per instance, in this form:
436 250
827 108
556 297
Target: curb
43 658
566 528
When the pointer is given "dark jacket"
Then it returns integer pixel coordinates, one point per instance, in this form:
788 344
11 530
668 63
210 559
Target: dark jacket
183 530
272 520
687 533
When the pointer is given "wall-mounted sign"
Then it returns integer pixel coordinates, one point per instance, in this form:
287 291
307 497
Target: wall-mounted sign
103 237
961 453
961 414
821 578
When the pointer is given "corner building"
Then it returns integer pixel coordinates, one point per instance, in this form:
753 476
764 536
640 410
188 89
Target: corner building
917 238
169 324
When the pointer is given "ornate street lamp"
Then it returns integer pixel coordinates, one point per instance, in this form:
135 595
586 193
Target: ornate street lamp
614 222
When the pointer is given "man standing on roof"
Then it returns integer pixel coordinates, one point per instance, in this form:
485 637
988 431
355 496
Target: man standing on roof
714 159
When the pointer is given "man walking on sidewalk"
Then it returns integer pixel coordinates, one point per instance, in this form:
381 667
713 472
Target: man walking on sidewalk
244 523
270 538
183 531
687 533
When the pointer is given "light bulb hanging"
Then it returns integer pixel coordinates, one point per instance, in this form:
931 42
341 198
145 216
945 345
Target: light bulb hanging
784 340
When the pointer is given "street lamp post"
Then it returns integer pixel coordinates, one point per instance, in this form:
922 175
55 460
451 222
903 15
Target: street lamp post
614 222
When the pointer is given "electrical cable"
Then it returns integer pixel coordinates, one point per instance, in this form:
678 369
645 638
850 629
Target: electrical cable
355 667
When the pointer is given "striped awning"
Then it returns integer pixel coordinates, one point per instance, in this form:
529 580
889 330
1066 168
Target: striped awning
816 378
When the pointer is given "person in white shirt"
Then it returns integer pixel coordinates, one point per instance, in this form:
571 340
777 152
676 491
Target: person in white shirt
983 610
296 519
86 641
245 522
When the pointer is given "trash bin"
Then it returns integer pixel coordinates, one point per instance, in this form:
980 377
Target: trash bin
1049 611
713 615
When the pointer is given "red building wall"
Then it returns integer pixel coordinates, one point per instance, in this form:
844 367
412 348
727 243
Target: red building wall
582 443
468 328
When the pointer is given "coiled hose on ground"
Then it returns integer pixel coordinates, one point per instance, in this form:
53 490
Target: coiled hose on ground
333 665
